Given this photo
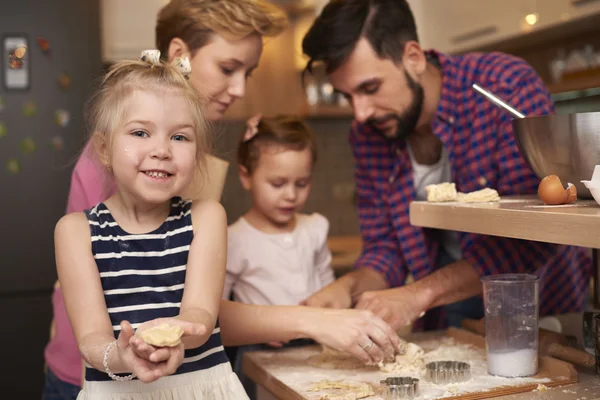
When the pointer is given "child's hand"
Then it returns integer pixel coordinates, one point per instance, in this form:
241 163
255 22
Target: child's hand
189 328
145 370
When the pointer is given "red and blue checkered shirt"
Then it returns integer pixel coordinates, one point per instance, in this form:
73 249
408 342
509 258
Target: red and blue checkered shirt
483 152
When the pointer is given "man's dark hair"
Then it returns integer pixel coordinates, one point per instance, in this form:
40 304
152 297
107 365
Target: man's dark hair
386 24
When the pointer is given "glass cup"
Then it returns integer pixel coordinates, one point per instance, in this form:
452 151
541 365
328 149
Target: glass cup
511 324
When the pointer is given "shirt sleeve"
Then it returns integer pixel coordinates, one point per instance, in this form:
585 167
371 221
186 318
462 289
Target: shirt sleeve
322 253
524 91
236 263
381 251
89 183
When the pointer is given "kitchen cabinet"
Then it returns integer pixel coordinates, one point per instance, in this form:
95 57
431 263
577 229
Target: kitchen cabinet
461 25
127 27
448 26
579 8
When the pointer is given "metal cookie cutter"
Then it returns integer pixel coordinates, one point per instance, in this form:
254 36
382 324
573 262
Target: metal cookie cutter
396 388
444 372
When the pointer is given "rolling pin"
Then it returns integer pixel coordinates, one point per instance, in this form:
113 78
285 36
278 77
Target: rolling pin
550 343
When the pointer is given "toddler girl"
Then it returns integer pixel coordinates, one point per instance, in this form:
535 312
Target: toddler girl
146 259
276 255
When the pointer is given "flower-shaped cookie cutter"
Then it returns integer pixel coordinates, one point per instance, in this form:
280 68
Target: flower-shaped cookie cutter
444 372
395 388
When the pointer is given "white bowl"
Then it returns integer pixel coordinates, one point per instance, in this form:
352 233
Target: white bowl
596 174
594 188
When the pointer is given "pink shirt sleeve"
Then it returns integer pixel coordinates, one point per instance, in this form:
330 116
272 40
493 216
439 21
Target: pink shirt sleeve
89 183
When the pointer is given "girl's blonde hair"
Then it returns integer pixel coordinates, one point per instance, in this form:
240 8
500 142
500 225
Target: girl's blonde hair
285 131
106 109
195 21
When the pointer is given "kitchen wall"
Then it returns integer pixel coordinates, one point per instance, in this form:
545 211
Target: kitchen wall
34 198
333 181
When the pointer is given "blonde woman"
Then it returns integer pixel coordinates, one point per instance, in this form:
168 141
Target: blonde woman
223 40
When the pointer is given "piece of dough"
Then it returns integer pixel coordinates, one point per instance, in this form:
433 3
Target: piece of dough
441 192
409 362
479 196
162 335
340 390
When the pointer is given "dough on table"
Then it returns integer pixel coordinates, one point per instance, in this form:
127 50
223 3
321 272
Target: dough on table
162 335
409 363
340 390
479 196
441 192
446 191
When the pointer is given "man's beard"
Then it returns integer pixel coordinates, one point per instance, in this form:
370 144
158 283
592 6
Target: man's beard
407 122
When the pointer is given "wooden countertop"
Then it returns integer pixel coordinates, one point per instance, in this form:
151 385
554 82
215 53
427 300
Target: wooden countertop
344 251
520 217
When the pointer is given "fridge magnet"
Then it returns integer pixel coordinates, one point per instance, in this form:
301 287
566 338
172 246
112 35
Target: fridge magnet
62 118
44 46
29 109
1 103
64 81
57 143
13 166
27 146
16 62
3 130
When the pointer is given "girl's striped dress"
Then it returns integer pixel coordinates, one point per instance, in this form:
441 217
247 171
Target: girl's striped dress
143 279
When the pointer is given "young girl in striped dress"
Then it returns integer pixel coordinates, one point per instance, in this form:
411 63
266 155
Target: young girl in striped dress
145 258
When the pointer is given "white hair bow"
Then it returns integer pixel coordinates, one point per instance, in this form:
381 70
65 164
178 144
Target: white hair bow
181 63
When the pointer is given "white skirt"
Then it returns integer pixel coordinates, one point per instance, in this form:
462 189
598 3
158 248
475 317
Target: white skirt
216 383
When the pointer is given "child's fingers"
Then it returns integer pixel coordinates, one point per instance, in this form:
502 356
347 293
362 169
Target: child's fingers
191 329
160 355
125 334
147 375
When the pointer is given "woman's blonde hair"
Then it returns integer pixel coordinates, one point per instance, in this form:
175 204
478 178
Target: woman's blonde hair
106 109
195 21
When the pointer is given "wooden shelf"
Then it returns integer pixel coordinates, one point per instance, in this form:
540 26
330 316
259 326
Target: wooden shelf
523 217
583 83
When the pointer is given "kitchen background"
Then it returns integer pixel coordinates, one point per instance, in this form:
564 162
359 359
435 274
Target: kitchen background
70 41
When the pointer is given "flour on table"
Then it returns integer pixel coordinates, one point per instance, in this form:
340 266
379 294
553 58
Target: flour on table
334 359
340 390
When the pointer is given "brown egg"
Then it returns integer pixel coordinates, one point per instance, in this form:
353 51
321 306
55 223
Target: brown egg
552 191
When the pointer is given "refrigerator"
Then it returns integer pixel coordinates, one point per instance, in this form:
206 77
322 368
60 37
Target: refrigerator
50 55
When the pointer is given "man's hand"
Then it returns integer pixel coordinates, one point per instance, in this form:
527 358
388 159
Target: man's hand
398 307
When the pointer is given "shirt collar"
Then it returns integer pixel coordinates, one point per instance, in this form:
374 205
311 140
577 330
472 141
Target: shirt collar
451 86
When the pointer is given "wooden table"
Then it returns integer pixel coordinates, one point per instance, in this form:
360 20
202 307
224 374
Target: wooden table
519 217
272 388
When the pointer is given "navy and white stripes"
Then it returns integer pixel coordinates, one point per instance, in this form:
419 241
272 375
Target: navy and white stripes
143 277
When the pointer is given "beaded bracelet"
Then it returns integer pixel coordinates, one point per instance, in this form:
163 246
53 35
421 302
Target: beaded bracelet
108 371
